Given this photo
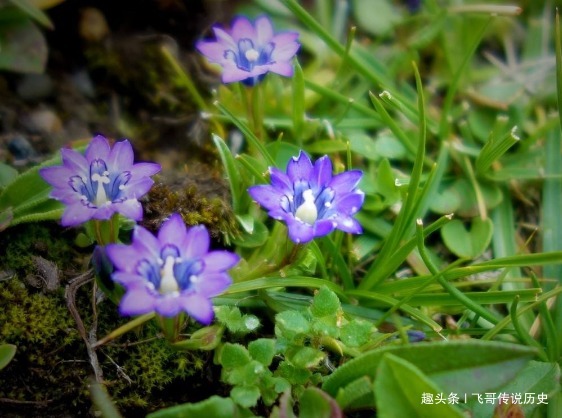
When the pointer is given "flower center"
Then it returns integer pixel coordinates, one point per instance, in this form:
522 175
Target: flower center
252 55
168 282
307 211
101 196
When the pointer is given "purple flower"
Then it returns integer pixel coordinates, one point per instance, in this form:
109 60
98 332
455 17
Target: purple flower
100 182
247 53
172 272
310 200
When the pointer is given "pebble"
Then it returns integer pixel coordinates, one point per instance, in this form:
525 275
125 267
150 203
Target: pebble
42 121
21 148
32 87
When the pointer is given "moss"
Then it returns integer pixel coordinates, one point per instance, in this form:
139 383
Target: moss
50 370
19 244
44 370
142 371
194 207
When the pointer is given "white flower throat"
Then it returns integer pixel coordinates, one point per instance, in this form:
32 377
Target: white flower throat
168 282
307 211
101 196
252 55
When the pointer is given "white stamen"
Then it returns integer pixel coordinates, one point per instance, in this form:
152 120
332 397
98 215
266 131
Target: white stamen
121 187
193 278
168 282
328 204
307 211
101 196
348 223
252 55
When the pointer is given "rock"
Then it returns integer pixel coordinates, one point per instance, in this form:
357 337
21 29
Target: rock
34 87
42 121
21 148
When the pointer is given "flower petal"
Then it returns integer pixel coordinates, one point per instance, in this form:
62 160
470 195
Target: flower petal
346 181
74 161
267 196
242 28
56 176
128 279
285 69
299 168
323 227
213 284
195 243
280 181
136 189
145 169
300 232
219 261
143 240
349 203
98 148
172 231
264 30
284 52
168 305
121 156
213 51
224 38
198 307
137 301
130 208
322 172
285 38
232 73
127 257
348 224
76 214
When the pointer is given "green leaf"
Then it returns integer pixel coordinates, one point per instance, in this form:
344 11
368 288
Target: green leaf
460 366
246 396
7 174
30 9
27 196
306 357
291 324
468 243
325 303
356 395
398 389
262 350
7 353
537 377
387 146
327 146
231 170
234 355
356 333
385 183
314 403
206 338
445 201
298 102
256 238
24 48
469 205
376 18
215 407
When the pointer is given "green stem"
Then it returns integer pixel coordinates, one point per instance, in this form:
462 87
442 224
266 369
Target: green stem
524 335
453 291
